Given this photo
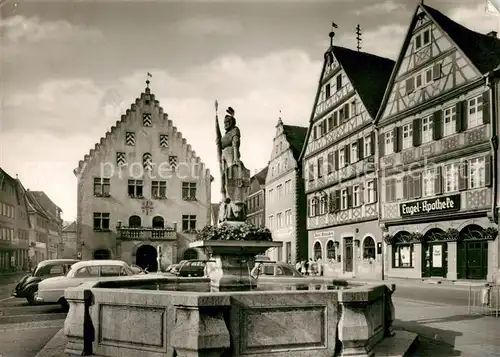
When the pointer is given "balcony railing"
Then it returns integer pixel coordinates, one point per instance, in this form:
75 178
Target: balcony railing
145 233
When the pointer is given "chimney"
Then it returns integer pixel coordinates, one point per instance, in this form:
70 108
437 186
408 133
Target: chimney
492 34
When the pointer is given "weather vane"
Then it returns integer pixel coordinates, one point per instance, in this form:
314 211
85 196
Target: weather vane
149 75
332 33
358 37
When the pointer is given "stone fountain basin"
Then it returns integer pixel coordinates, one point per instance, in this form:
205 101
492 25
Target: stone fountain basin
127 318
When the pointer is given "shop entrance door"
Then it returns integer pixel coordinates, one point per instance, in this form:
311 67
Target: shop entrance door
472 259
348 254
435 260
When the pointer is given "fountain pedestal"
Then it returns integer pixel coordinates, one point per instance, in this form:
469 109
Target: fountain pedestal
232 261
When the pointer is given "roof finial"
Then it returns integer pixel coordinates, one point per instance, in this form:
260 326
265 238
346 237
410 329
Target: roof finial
358 37
149 75
17 177
280 122
332 34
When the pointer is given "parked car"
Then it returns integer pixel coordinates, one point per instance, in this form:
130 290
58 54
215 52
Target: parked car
172 268
51 290
191 268
274 269
137 269
28 285
262 258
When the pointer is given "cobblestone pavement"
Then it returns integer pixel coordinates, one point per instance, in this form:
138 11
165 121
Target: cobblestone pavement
24 329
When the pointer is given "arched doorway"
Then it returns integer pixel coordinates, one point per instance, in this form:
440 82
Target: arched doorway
472 253
318 254
102 254
434 254
146 257
158 222
134 221
190 254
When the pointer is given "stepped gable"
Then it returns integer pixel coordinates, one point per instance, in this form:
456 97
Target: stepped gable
261 176
295 135
368 73
482 50
146 95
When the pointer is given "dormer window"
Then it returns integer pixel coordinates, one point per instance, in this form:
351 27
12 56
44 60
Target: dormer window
423 39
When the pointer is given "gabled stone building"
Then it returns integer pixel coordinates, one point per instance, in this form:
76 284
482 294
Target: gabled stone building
285 205
142 191
256 204
438 142
338 159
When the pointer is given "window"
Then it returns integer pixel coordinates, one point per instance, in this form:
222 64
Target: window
92 271
271 222
288 217
57 270
475 107
330 164
313 207
285 163
477 177
135 188
323 204
407 136
368 146
101 187
279 220
189 191
426 129
354 152
423 39
130 138
279 190
370 192
403 255
327 91
343 202
451 178
342 162
278 169
288 187
369 248
389 142
450 118
311 172
428 182
159 189
339 82
270 194
146 119
320 167
164 140
188 222
330 250
418 81
101 221
356 196
353 108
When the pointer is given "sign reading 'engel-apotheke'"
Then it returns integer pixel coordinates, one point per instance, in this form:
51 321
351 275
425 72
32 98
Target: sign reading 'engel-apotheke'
429 206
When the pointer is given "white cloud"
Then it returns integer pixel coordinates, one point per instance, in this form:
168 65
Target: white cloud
477 19
64 119
204 25
20 29
380 8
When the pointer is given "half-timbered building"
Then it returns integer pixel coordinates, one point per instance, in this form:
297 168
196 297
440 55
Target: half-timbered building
338 161
256 202
437 142
285 199
143 192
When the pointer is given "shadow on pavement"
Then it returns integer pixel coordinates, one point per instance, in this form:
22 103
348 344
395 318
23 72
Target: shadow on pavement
433 340
455 318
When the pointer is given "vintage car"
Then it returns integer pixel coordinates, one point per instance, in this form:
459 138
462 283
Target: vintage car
274 269
191 268
51 290
28 285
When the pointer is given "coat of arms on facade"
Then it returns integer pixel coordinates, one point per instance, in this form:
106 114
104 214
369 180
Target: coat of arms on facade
147 207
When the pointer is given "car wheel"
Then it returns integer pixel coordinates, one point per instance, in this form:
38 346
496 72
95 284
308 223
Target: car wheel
64 304
31 296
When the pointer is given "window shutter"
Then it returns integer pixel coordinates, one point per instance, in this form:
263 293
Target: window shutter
361 194
437 121
461 119
410 85
331 202
346 111
406 194
438 181
349 197
336 159
372 143
487 170
315 133
398 139
381 145
330 162
486 107
337 200
375 189
436 71
309 208
417 185
388 190
360 148
462 176
417 132
347 152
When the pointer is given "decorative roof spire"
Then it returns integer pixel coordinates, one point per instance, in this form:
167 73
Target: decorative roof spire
280 122
358 37
149 75
332 33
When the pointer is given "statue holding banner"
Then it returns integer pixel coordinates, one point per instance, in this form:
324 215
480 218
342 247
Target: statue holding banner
235 177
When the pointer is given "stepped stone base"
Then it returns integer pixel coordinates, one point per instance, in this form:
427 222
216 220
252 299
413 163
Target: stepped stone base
402 344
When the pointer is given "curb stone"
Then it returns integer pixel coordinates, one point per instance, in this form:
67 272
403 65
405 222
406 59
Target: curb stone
55 346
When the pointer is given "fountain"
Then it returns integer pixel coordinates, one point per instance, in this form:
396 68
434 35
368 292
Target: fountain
228 313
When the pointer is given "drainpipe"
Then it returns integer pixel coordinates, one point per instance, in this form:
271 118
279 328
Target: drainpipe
490 83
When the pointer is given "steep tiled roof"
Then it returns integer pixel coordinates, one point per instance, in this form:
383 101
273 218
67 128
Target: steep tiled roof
368 73
295 135
70 227
261 176
482 50
47 204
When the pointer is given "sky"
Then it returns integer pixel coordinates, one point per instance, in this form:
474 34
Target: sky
69 69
